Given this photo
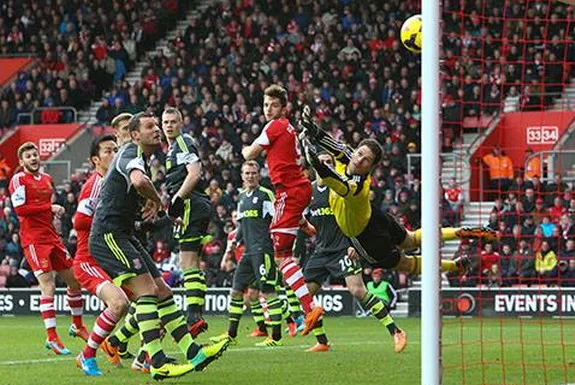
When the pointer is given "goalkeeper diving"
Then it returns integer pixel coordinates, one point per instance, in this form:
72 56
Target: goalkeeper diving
378 238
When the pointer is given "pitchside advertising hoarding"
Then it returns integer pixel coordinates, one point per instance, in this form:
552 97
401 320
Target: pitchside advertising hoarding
489 302
27 301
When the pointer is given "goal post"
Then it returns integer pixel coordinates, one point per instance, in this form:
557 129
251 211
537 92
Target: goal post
431 190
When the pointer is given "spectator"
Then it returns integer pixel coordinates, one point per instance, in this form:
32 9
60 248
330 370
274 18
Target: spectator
508 266
4 172
500 171
557 210
454 196
539 212
546 263
488 259
161 252
382 289
525 262
104 114
533 167
547 227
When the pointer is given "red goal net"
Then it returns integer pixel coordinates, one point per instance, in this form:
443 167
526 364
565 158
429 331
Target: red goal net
508 116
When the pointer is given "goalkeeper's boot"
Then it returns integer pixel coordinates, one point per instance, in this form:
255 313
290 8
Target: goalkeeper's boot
168 370
57 347
112 352
257 333
199 326
223 337
209 354
400 341
319 348
81 332
88 365
463 264
270 343
484 233
311 319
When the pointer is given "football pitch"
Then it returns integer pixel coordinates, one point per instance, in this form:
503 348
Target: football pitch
494 351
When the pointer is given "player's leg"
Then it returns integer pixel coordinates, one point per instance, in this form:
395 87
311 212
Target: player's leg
76 304
266 276
377 308
118 341
413 238
116 307
315 273
174 321
411 264
192 231
289 206
120 257
253 296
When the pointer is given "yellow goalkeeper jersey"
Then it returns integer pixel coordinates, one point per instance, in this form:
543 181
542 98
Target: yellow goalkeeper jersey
349 200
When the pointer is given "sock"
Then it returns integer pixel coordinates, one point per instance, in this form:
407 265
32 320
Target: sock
275 310
319 333
49 316
174 322
286 316
294 306
149 323
448 265
76 303
258 314
265 311
294 278
416 266
235 312
448 233
128 329
195 285
379 311
104 325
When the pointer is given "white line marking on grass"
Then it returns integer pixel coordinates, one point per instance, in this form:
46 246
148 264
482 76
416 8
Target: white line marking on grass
230 350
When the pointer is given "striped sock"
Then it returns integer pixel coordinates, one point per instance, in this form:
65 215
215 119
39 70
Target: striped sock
275 310
416 267
48 316
104 325
149 323
258 314
319 333
294 278
174 322
235 312
128 329
294 306
379 311
76 303
195 285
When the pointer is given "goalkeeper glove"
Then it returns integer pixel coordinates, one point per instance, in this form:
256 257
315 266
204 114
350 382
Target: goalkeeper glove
306 125
176 208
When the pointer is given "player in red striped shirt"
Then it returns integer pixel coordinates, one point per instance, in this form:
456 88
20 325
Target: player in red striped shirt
31 194
292 194
87 271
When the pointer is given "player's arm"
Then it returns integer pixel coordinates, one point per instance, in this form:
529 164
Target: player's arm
318 137
193 165
340 184
252 151
87 206
143 184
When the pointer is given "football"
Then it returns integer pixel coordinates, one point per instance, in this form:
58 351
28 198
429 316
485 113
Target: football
411 33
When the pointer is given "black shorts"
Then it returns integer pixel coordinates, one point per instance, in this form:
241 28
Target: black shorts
377 244
257 271
195 222
320 266
122 256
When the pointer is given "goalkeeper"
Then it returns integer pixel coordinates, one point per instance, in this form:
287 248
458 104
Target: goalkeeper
377 237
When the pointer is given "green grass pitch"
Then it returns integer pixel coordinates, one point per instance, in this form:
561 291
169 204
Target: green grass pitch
495 351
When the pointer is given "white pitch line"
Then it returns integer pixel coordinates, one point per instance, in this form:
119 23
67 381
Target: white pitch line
231 350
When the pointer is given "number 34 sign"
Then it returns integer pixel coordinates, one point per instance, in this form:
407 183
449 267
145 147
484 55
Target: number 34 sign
542 134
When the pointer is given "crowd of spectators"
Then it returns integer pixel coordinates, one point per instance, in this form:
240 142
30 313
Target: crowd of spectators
81 49
341 56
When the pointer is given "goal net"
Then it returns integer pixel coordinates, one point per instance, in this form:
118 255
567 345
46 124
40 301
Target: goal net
508 99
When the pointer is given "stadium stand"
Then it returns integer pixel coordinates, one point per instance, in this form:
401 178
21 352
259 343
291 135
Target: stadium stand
343 56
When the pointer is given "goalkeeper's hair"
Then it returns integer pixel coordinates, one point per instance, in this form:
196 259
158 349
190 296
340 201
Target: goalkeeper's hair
275 91
375 147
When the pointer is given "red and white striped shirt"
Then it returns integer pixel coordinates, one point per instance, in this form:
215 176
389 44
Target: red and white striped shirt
87 202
